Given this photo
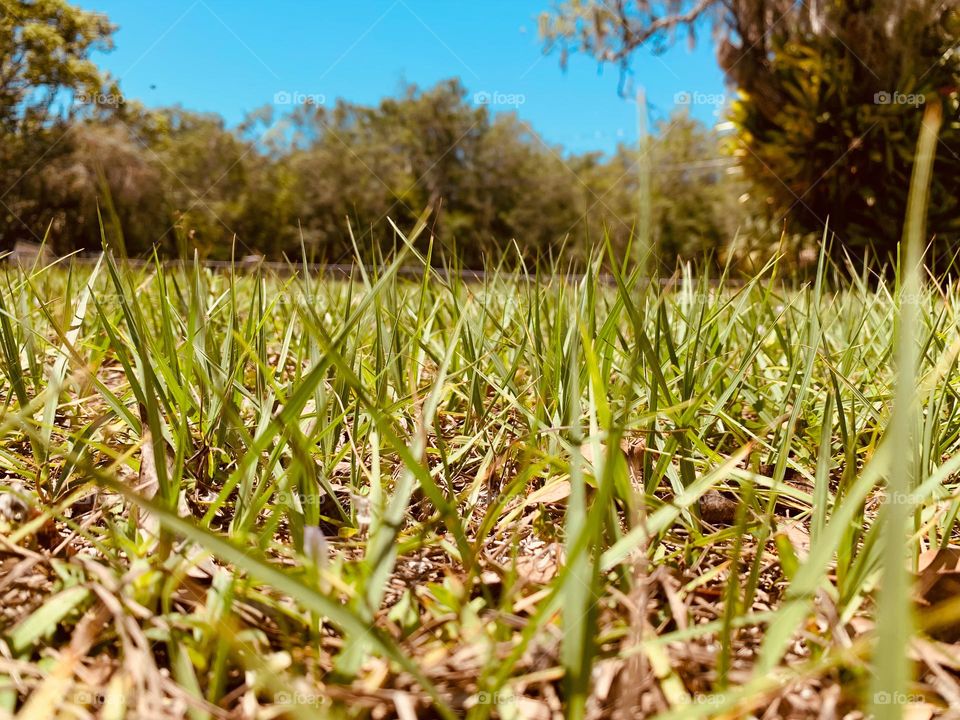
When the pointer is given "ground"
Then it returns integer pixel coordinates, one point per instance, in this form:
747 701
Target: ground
402 497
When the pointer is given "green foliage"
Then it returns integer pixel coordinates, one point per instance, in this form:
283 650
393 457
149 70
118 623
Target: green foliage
488 181
840 144
182 182
830 100
44 50
320 177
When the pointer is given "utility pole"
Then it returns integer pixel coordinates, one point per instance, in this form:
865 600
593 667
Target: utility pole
644 240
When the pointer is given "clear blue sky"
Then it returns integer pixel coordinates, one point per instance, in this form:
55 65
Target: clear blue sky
232 56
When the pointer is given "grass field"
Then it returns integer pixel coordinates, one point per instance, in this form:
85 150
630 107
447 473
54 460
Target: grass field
520 498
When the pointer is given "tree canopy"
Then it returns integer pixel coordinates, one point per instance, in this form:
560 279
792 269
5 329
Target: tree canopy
830 98
319 176
78 154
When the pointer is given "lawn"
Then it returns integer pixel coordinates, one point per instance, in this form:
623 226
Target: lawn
241 493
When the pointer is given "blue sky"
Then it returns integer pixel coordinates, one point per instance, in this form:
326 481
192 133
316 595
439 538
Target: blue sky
232 56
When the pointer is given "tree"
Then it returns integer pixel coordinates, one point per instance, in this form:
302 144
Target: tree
104 175
205 169
694 192
181 182
522 190
45 65
487 182
830 97
45 48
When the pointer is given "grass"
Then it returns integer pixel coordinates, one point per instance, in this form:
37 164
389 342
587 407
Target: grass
241 494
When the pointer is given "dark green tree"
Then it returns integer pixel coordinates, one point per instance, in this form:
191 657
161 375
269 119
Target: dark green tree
46 79
830 98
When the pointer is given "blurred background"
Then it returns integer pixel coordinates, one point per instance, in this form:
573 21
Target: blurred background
531 130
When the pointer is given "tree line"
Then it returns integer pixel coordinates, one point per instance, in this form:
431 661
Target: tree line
82 165
829 104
